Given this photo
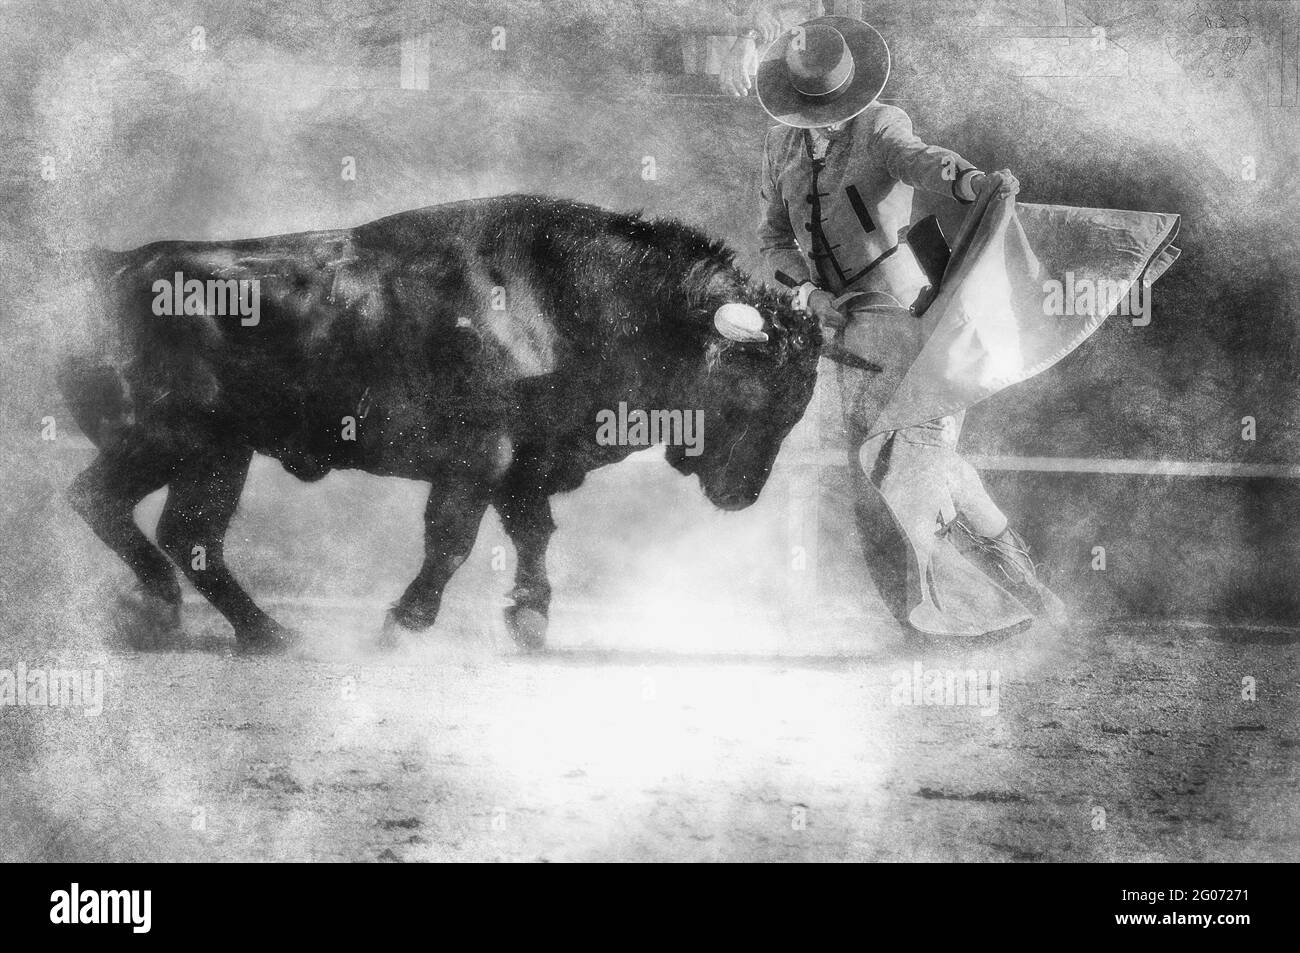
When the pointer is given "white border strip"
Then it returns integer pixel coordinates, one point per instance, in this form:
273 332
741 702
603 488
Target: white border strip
1107 465
1188 468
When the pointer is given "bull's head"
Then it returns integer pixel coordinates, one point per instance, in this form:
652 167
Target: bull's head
752 391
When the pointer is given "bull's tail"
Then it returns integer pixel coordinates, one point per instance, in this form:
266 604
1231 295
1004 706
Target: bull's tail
102 265
96 395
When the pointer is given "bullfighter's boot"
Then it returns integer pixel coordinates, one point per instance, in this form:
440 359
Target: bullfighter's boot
1013 565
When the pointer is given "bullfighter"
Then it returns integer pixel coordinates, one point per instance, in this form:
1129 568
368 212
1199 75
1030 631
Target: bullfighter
837 184
926 331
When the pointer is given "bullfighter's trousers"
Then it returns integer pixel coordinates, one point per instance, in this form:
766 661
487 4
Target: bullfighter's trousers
911 485
891 337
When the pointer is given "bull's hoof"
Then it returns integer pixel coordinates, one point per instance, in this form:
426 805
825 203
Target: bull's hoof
146 622
394 633
390 633
527 627
265 638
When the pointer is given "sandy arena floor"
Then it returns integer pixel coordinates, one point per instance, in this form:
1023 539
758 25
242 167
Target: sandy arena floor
693 707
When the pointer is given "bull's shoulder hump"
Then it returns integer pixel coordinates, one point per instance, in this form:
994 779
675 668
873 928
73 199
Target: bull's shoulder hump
431 226
472 220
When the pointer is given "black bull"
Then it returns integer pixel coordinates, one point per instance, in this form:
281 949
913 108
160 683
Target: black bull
471 345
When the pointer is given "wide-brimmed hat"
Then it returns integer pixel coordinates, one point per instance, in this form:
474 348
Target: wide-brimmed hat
823 71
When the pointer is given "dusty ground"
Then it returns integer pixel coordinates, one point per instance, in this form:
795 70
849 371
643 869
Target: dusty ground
592 754
695 706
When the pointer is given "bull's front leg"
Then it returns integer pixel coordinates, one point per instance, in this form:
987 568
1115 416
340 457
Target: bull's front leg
526 515
451 521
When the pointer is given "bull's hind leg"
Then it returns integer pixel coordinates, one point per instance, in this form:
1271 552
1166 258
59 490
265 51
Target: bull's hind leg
105 495
451 521
201 501
526 515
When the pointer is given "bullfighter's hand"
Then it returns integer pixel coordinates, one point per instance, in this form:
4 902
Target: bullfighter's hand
1008 186
821 305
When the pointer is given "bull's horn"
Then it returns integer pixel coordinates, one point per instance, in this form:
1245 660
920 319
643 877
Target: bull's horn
739 322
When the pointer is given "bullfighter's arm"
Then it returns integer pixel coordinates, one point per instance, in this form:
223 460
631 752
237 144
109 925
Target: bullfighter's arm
922 166
775 234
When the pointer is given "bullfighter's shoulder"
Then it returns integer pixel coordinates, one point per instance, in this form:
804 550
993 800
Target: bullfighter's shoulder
882 118
780 137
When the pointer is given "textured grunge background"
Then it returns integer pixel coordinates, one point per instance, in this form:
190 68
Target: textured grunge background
705 700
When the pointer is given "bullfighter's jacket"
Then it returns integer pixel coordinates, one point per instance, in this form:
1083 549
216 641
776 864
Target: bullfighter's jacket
826 218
